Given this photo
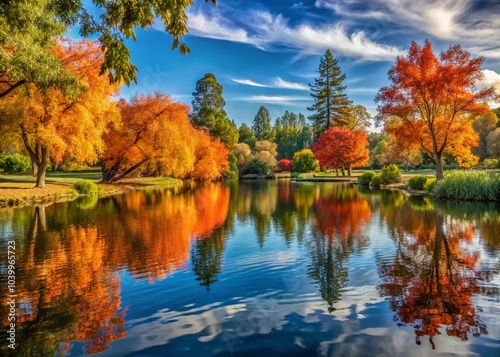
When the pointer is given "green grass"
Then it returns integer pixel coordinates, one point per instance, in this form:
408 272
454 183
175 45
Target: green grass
469 185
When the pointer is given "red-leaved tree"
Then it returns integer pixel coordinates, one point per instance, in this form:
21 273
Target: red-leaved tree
432 98
338 148
285 165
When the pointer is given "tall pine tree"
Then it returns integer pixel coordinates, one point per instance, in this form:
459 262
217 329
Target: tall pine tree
262 125
331 105
208 111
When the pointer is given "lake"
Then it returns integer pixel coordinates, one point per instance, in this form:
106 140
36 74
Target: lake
262 268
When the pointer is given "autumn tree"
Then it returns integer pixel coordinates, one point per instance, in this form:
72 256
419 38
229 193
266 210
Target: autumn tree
331 105
337 148
52 126
30 26
208 112
484 125
155 134
261 125
493 143
243 154
433 98
211 158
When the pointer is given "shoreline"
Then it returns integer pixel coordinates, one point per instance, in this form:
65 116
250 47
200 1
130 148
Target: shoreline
17 193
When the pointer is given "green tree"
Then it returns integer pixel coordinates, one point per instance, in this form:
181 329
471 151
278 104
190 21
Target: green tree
208 111
331 105
262 125
28 28
292 134
247 136
358 118
305 161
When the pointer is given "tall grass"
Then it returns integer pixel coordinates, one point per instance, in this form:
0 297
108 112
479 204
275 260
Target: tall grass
469 185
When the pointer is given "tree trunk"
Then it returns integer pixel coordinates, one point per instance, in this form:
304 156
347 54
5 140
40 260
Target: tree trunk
439 169
42 168
40 175
349 170
34 167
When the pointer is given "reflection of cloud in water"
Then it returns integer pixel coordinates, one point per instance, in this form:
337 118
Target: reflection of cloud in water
248 317
389 342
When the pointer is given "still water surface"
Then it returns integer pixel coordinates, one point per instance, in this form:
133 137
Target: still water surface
270 268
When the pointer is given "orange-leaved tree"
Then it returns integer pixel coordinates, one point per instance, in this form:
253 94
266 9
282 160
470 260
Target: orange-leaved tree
156 136
52 126
433 98
338 148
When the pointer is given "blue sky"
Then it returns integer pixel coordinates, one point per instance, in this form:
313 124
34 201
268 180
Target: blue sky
267 52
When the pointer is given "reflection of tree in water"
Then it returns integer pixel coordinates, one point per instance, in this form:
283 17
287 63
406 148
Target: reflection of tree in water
68 256
65 291
435 273
206 257
340 218
328 269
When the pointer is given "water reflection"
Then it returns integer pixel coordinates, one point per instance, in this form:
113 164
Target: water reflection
68 284
431 280
255 266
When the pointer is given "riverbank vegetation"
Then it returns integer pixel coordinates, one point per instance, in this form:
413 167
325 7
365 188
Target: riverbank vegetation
52 128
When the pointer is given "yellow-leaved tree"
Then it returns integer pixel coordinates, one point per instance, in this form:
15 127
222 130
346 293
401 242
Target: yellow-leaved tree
52 126
155 136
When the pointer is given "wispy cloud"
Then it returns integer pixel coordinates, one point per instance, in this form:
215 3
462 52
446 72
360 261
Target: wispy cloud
249 82
451 20
280 83
268 32
362 90
284 99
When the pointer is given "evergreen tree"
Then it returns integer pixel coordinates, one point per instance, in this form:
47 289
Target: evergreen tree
262 125
331 105
292 134
246 135
208 111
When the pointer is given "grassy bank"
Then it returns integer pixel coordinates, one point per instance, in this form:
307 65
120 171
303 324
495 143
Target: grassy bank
19 189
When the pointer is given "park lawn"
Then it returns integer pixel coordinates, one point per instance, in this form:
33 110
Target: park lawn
19 189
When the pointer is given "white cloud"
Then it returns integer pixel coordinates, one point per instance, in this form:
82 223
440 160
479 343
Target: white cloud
280 83
282 99
249 82
362 90
490 79
266 31
451 20
216 28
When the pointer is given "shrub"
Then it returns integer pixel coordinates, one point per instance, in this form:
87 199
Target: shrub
285 165
376 180
305 161
390 174
469 185
491 163
430 184
232 173
256 166
85 187
366 178
417 182
15 163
